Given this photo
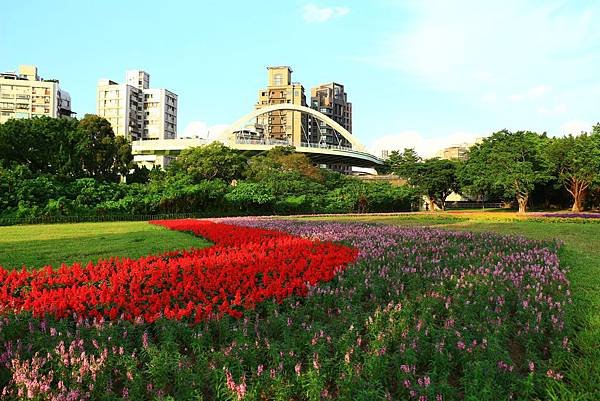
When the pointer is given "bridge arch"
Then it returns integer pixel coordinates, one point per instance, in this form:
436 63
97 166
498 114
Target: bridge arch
227 136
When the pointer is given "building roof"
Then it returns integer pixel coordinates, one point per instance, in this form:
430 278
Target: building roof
274 67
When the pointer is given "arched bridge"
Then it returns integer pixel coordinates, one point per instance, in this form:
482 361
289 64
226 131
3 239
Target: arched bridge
232 136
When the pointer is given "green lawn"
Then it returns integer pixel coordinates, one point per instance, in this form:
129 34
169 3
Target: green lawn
581 253
39 245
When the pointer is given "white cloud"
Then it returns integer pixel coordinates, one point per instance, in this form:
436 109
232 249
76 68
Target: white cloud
200 129
479 46
424 146
536 92
575 127
315 14
556 110
489 97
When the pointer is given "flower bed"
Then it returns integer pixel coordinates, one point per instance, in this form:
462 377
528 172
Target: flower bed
572 215
243 268
422 314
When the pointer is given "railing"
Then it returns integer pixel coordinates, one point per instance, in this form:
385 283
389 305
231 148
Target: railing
326 146
10 221
276 142
474 205
336 147
279 142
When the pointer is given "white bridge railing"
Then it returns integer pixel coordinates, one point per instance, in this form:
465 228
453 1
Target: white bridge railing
283 142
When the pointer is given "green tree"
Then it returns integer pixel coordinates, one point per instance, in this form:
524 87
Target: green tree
282 159
45 145
102 155
209 162
472 180
251 196
577 163
435 179
511 163
404 164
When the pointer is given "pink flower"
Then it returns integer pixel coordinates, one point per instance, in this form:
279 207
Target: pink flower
316 361
145 340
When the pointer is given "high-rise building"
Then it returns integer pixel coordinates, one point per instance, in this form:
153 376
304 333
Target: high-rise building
331 100
122 106
24 94
160 114
136 111
285 126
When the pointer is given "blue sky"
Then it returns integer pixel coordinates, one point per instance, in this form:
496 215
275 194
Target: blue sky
423 74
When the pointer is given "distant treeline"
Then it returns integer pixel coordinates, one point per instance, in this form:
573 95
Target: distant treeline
58 167
524 168
67 167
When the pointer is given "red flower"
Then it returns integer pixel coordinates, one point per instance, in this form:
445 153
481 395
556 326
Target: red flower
244 267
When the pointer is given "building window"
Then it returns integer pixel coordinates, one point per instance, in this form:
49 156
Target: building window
277 80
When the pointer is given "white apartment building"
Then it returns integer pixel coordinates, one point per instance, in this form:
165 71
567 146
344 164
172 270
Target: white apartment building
24 94
135 110
139 112
160 109
122 106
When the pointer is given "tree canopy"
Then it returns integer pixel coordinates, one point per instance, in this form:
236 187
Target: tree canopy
433 178
66 148
576 160
511 163
212 161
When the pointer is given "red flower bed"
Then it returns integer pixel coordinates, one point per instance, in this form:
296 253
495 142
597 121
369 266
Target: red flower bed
243 268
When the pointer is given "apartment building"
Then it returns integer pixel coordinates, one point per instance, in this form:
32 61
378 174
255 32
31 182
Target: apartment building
135 110
284 126
122 106
160 114
455 152
332 100
24 94
458 151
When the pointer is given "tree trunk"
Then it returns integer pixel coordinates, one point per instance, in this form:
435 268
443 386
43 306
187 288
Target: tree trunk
431 203
577 190
522 200
577 203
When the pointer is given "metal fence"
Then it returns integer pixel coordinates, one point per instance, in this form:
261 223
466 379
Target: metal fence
474 205
6 221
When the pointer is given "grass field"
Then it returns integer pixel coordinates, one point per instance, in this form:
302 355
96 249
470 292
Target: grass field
581 253
39 245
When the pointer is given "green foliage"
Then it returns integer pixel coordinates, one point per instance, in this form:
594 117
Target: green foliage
209 162
180 197
43 144
403 164
102 155
65 148
511 163
576 160
434 178
247 196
